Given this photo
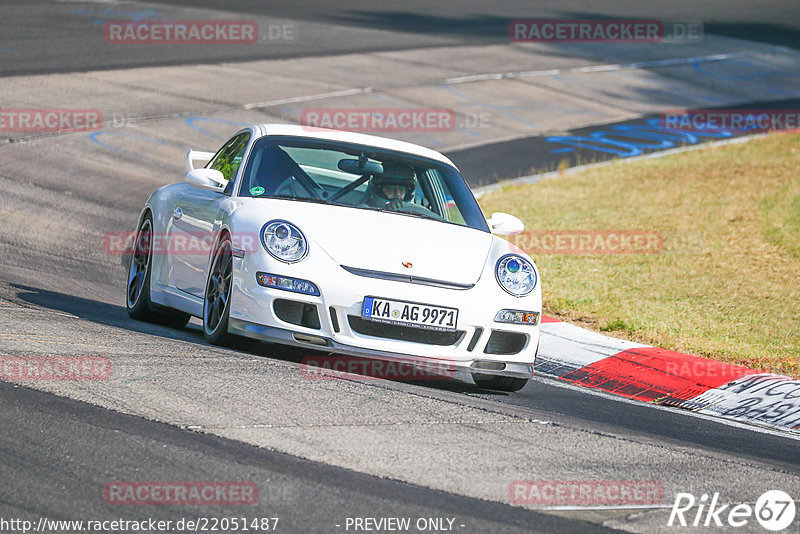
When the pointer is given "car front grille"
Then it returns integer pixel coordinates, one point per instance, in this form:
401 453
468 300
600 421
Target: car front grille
404 333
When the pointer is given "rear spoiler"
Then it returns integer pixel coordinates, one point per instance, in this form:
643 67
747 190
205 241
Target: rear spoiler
195 155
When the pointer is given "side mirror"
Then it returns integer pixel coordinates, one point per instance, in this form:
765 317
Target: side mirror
208 179
505 224
196 155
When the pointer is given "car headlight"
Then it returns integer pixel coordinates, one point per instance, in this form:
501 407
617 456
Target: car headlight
517 317
295 285
284 241
516 275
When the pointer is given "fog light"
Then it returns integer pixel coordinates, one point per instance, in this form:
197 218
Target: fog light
517 317
295 285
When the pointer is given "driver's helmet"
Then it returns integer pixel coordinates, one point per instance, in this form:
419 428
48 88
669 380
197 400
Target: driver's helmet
396 182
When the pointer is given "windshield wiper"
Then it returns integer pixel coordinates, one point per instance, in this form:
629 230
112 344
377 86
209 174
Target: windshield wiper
302 199
417 215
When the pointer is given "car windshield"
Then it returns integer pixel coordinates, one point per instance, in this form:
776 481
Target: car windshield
360 177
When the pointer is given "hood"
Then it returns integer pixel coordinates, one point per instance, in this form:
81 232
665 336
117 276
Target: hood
380 241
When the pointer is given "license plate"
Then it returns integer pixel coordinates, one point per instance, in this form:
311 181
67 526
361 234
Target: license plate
412 314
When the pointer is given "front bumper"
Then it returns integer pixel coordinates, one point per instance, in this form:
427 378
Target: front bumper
479 345
271 334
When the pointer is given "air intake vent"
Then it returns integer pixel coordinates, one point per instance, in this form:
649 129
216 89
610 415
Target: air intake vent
298 313
403 333
505 342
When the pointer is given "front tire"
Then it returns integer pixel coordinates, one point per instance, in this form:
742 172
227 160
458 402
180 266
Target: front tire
499 383
137 298
217 299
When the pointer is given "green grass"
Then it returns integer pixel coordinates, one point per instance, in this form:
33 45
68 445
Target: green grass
781 212
726 284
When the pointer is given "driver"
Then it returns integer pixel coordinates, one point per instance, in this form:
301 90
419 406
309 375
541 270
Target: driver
394 189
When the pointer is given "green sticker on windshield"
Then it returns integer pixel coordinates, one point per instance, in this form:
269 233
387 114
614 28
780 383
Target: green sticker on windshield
257 191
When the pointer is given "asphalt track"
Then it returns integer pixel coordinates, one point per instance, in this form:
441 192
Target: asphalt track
43 37
356 447
587 145
51 443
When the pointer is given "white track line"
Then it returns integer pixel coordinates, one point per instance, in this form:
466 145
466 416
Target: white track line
515 74
319 96
653 64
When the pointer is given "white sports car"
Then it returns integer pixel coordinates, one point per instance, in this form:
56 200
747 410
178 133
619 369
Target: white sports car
342 242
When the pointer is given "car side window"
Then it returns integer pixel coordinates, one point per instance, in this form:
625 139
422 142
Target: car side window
442 198
229 158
